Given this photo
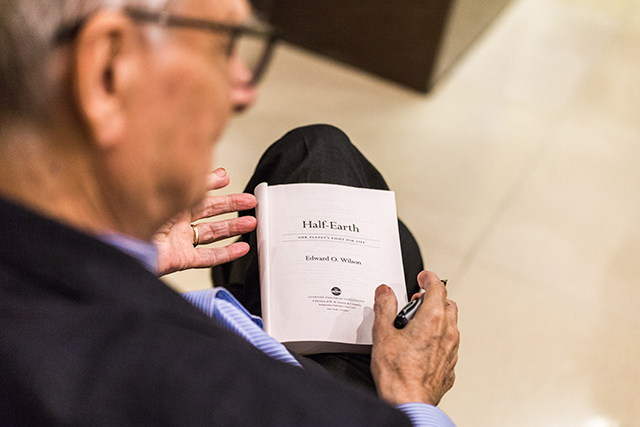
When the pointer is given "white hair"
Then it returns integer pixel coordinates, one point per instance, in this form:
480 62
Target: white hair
27 34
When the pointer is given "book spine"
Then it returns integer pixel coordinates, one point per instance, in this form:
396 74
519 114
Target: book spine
262 215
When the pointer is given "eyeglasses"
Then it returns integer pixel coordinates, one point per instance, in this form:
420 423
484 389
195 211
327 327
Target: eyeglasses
252 43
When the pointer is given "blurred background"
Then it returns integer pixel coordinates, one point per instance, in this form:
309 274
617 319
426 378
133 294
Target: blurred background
519 174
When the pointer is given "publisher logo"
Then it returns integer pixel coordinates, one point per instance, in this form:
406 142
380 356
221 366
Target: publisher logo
336 291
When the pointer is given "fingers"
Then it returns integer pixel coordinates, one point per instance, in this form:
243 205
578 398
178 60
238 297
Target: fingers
210 232
436 294
417 295
415 364
451 340
435 298
452 311
210 257
452 334
427 278
218 205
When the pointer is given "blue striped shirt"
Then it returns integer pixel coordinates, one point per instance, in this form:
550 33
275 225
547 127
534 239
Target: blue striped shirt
227 312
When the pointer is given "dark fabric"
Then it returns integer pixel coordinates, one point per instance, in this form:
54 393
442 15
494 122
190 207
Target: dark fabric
88 337
319 154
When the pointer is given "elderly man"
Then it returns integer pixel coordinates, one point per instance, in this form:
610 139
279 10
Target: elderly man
109 111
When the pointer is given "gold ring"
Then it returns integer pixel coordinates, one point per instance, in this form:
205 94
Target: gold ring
196 235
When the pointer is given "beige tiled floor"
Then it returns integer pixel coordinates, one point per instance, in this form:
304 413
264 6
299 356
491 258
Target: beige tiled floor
520 177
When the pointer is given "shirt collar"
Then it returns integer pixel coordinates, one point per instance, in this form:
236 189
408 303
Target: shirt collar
145 252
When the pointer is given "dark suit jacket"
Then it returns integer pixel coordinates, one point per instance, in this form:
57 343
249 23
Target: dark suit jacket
89 337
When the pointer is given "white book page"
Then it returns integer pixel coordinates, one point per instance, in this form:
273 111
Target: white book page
328 248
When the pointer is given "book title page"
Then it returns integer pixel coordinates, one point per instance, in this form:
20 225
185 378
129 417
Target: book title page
323 251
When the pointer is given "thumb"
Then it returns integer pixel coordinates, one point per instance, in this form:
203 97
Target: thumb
385 308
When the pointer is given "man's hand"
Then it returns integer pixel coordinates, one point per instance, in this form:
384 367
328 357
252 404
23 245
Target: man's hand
415 364
176 238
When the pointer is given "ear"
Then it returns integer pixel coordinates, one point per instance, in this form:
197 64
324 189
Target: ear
105 67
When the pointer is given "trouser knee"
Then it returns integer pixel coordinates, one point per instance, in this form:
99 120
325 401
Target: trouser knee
316 153
320 139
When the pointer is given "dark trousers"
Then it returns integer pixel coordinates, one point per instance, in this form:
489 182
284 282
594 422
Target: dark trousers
317 154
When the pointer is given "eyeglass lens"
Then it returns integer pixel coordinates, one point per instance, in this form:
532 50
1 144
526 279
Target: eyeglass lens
254 51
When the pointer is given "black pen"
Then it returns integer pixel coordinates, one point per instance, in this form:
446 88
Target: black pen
410 310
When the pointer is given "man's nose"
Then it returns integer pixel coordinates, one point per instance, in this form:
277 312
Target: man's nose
243 93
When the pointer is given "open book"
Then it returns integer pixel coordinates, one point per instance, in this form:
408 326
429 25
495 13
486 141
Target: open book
323 250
